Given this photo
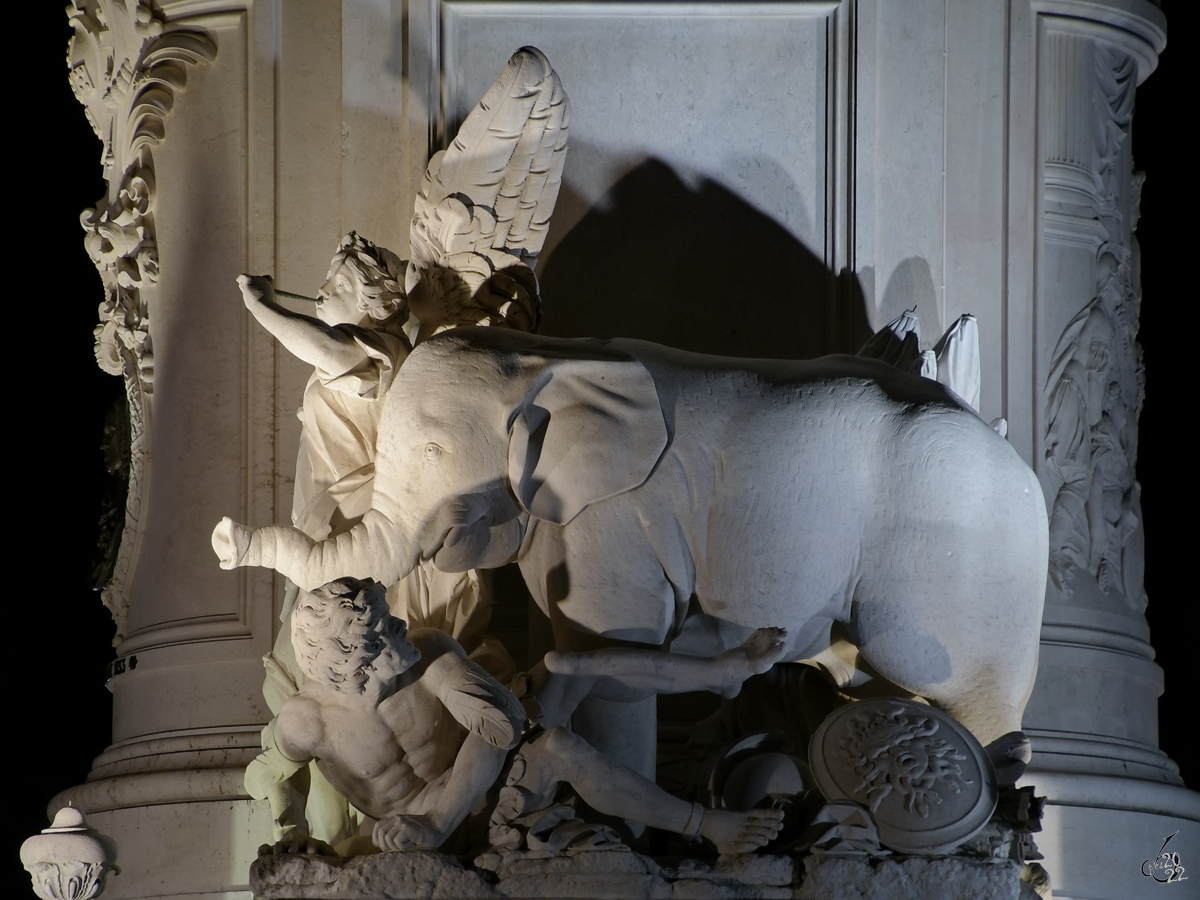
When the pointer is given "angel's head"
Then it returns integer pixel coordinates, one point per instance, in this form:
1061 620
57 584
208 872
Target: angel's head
365 282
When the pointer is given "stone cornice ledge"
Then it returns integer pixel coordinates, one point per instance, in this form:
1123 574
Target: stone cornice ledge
1138 19
1108 792
221 783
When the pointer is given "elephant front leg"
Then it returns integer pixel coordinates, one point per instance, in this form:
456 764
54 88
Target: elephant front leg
601 584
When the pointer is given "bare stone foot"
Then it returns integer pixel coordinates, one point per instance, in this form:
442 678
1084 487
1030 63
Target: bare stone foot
741 832
756 655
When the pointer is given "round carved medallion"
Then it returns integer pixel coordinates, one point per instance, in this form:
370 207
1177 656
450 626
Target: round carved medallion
923 776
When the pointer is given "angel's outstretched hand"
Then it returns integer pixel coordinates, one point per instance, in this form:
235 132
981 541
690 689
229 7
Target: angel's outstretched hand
230 541
256 288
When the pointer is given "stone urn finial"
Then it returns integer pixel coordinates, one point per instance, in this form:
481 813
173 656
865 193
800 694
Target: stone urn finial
69 860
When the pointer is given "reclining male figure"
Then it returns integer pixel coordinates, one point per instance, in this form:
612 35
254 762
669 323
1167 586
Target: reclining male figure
414 734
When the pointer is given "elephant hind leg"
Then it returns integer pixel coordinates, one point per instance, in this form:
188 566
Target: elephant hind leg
975 661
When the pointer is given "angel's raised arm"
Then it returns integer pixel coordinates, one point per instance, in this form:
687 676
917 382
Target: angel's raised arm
329 349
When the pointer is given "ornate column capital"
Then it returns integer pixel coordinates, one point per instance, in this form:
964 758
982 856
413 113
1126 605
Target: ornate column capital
1136 27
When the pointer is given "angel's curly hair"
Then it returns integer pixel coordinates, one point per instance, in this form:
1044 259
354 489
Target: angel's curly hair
331 628
380 274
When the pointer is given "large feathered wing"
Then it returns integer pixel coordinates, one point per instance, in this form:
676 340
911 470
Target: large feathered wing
484 206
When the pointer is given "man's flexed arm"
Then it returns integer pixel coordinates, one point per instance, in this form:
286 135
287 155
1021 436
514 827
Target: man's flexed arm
475 770
477 701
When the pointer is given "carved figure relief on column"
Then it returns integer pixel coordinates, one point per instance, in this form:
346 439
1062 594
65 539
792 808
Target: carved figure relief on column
126 66
1096 383
480 220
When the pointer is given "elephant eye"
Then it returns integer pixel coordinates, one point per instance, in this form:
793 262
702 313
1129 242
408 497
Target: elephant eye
432 450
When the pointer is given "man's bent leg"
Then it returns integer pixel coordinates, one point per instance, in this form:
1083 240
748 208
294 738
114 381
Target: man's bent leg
557 755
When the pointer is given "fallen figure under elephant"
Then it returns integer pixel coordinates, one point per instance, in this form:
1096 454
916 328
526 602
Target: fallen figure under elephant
416 735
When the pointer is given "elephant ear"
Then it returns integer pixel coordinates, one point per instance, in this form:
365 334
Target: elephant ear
587 430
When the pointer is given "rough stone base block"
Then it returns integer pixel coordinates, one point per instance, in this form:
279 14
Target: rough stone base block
592 875
413 874
912 878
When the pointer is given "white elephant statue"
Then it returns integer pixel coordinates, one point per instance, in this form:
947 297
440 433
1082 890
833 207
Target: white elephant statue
673 499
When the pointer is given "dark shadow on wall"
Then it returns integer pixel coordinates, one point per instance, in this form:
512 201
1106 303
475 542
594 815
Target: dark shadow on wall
911 287
695 268
699 269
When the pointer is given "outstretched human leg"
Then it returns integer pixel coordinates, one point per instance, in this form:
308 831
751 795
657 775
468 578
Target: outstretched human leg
628 675
558 755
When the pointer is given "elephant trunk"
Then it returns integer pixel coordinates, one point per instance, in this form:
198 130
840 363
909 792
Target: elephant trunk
375 548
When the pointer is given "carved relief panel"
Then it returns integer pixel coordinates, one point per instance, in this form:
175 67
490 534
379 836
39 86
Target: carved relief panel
1092 380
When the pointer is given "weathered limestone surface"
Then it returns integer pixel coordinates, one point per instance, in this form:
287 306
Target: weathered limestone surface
403 875
416 873
840 878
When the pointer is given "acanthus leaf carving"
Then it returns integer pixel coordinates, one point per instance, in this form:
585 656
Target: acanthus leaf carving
1096 383
127 64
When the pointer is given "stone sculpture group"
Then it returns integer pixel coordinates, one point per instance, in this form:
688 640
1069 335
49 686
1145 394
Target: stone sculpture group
721 515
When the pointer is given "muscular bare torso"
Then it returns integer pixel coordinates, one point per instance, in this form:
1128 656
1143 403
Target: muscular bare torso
387 759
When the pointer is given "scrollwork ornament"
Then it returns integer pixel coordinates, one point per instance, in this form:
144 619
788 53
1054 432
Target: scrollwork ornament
68 881
127 64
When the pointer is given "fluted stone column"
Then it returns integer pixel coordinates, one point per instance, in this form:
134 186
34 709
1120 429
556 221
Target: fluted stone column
1093 715
167 95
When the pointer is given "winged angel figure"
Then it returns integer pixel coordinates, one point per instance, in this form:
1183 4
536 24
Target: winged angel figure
480 221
